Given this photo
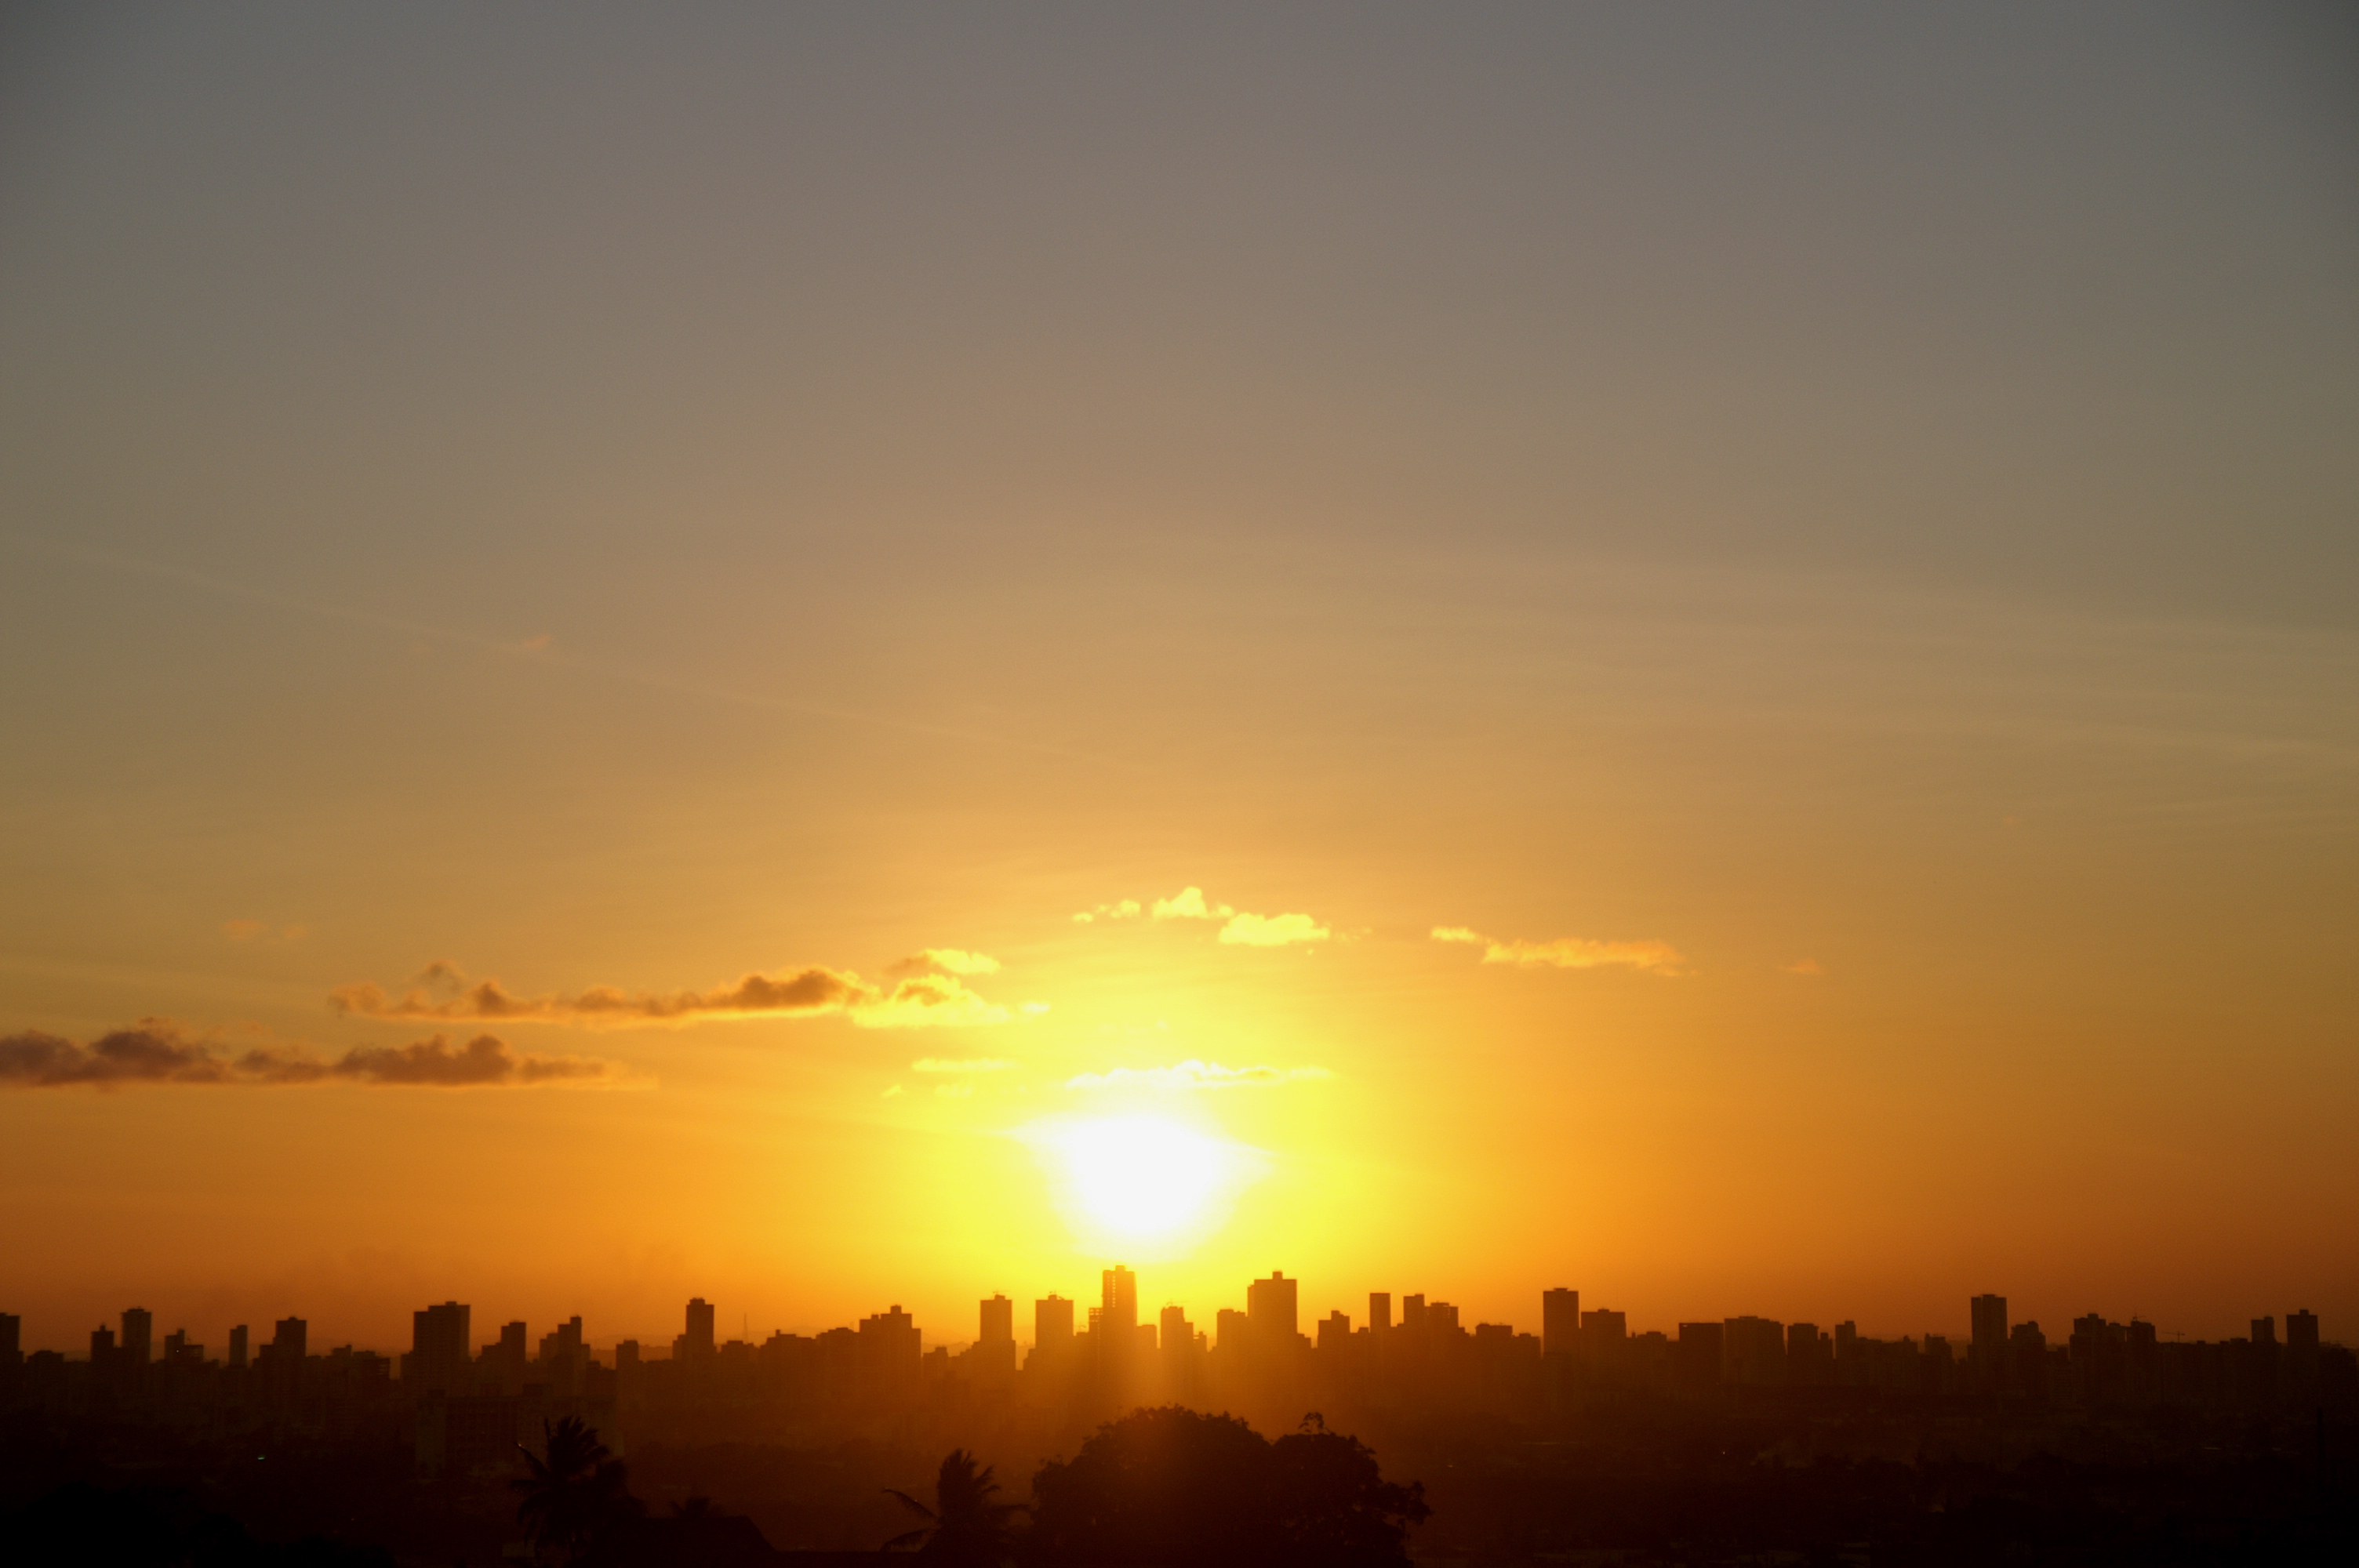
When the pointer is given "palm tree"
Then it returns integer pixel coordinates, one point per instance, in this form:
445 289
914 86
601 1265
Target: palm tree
575 1492
964 1525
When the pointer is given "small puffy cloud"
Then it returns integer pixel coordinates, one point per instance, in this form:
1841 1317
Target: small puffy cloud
443 992
158 1051
1272 930
1033 1009
1195 1074
1805 966
961 1065
1189 904
1568 952
1240 928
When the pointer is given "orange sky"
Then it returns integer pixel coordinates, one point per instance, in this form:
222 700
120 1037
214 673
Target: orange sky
1827 570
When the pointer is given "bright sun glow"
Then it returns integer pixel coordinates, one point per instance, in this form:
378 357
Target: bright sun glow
1144 1185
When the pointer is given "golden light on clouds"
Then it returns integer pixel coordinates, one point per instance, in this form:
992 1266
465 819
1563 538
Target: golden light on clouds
1568 952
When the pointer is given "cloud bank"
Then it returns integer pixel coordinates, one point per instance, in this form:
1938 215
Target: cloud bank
1568 952
158 1051
1195 1074
925 1000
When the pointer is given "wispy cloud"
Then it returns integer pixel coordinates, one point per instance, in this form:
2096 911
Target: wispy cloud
1809 967
962 1065
1568 952
1125 909
161 1051
444 991
1195 1074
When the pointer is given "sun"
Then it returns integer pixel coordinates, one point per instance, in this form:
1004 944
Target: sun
1147 1185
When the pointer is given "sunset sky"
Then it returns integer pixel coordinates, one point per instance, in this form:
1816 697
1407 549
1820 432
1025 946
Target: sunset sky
1704 653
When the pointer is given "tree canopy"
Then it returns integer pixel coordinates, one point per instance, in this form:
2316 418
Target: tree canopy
1172 1486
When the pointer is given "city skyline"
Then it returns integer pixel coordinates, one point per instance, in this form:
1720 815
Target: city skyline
704 1319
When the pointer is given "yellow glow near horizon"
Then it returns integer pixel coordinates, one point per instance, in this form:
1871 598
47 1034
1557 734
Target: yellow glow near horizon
1148 1186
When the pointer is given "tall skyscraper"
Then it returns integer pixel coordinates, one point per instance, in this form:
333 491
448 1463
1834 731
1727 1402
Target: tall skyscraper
12 1348
1271 1308
138 1337
697 1343
999 1325
290 1338
1986 1352
1380 1311
1052 1325
1120 1306
1559 1322
439 1346
238 1357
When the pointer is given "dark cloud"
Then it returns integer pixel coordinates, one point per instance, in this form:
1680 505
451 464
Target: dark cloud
484 1060
153 1052
158 1051
442 992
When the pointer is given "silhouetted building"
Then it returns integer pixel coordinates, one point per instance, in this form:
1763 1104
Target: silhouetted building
1697 1356
1052 1327
998 1321
138 1341
1380 1311
1752 1352
439 1350
238 1359
506 1359
697 1343
1270 1308
564 1360
890 1352
1559 1322
1119 1305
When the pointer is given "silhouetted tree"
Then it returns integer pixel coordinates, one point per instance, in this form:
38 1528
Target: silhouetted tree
576 1494
1335 1509
965 1526
1172 1486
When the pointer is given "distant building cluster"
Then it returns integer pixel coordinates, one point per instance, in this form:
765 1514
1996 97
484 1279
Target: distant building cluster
470 1402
